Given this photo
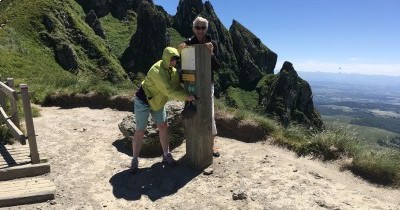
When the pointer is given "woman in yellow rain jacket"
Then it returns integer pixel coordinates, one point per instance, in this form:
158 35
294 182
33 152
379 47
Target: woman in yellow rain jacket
161 84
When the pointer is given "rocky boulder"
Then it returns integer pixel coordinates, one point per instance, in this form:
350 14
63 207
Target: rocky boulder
255 58
151 143
289 98
148 42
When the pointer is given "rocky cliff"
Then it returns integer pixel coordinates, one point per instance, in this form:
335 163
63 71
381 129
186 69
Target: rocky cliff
255 60
289 98
148 42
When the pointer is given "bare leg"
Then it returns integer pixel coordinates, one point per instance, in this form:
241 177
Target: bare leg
163 132
137 141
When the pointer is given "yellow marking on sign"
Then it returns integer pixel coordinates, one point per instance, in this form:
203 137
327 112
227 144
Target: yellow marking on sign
188 77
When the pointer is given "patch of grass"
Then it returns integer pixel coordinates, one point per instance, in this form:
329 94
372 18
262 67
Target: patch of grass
369 135
241 99
380 166
376 164
119 32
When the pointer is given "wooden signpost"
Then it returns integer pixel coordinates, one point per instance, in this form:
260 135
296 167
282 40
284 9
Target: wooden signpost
196 74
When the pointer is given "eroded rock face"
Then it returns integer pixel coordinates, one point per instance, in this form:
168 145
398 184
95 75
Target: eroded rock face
148 42
255 58
289 98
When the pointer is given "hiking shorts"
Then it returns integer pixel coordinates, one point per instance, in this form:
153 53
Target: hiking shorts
142 112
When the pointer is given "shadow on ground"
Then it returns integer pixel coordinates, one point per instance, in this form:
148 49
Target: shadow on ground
154 182
123 146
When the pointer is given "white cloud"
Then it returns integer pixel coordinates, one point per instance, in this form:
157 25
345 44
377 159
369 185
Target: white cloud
348 67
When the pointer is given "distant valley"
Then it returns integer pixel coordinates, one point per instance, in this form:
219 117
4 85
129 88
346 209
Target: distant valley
368 104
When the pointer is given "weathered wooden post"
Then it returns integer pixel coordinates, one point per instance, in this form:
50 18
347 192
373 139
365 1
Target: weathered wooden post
196 74
14 103
30 129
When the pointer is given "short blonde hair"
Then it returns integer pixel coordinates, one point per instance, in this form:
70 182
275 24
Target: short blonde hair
200 20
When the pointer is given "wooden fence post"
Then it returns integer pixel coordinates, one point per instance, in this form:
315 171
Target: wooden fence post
199 141
14 104
30 130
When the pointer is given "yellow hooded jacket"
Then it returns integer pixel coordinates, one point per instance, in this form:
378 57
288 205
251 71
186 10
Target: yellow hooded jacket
162 83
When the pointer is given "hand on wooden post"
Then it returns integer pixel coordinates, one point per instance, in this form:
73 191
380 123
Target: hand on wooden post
210 47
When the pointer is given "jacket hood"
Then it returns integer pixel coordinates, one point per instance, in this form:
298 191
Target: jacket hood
168 53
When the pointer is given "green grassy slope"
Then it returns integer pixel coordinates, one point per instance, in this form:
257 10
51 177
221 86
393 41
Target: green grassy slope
25 57
119 32
370 135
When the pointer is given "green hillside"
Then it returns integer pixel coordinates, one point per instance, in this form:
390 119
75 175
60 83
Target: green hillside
27 56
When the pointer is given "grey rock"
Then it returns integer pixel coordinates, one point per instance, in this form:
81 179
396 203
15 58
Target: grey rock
151 146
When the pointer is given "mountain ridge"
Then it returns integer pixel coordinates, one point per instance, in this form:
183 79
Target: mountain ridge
79 41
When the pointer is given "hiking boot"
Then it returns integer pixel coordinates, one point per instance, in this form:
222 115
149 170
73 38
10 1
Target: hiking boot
134 165
169 160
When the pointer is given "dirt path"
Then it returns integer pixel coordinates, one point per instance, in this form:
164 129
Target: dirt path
89 163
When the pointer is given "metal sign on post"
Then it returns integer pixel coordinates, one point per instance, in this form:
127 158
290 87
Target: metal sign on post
196 75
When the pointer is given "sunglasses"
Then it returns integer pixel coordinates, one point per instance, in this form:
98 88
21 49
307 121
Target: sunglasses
200 28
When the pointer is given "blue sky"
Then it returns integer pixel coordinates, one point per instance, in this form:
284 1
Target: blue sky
348 36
